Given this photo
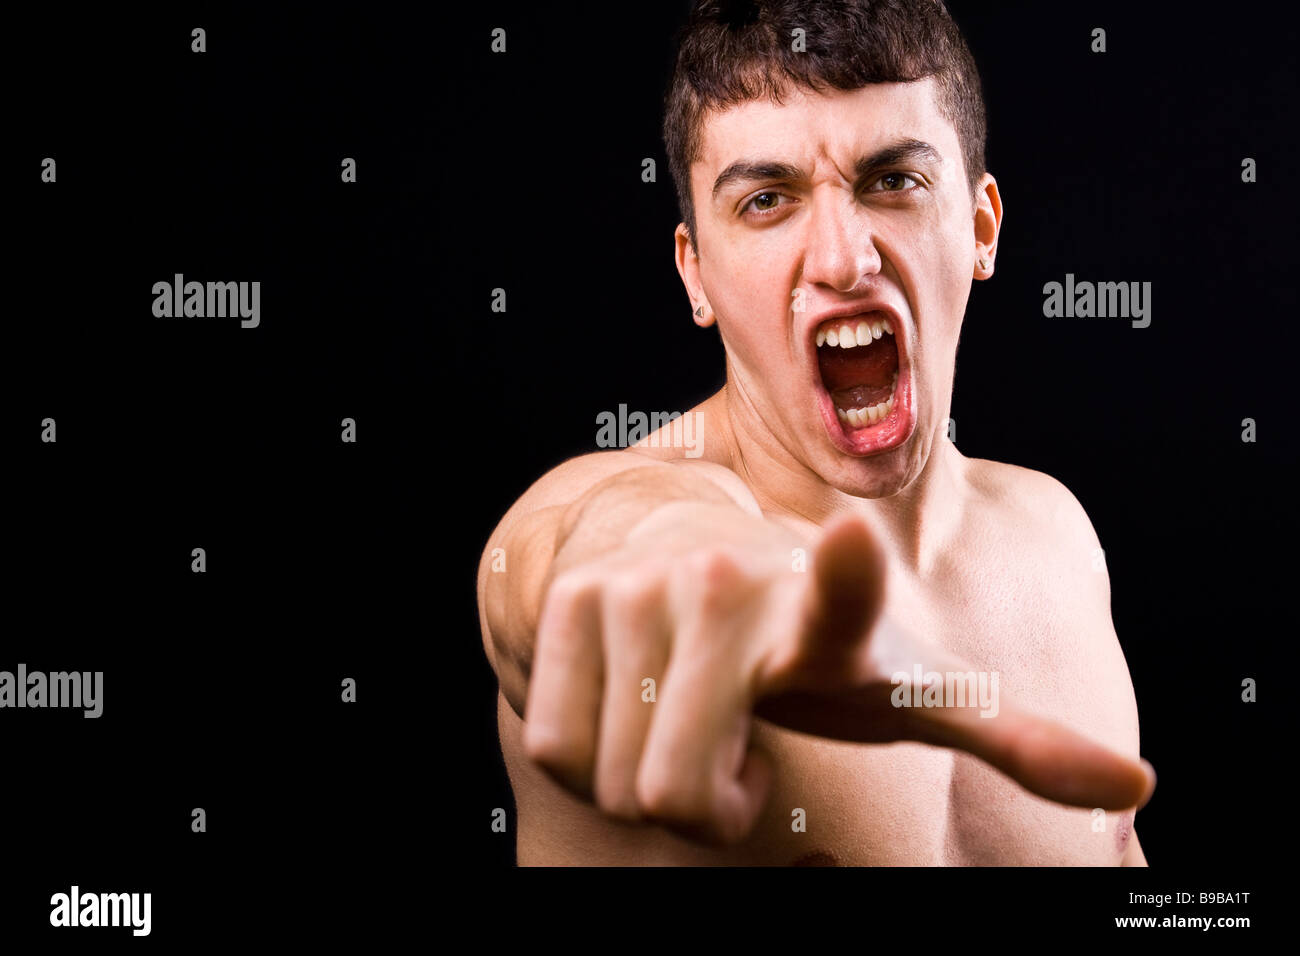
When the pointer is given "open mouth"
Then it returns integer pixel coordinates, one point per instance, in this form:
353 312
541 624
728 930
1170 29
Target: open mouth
859 365
858 358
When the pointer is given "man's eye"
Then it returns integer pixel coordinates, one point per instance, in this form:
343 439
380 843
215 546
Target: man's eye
893 183
763 203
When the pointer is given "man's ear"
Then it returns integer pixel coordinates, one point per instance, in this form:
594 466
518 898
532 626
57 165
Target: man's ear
688 267
988 223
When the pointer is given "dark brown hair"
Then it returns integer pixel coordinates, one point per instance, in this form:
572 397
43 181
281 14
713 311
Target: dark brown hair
733 51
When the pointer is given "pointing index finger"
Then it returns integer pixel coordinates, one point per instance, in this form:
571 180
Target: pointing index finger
1042 755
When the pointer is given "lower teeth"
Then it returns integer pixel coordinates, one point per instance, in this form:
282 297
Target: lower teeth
870 415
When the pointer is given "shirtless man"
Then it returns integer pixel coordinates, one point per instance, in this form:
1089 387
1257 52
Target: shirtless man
701 659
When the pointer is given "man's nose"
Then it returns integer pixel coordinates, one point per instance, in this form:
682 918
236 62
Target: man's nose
841 243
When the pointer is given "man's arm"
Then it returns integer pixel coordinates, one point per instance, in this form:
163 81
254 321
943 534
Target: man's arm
616 573
573 513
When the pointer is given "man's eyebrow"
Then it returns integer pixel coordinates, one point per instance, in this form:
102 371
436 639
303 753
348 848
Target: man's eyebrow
743 171
903 151
906 150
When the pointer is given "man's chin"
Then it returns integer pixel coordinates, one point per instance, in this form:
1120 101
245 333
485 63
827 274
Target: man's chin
879 476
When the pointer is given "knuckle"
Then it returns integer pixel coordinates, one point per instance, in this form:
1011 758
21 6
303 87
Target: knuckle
671 800
712 567
713 579
550 748
540 743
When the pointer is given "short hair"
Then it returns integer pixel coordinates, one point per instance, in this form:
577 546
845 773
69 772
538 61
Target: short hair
733 51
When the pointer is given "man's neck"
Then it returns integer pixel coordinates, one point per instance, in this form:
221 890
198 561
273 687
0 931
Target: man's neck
915 524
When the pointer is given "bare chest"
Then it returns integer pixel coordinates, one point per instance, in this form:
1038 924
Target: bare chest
909 803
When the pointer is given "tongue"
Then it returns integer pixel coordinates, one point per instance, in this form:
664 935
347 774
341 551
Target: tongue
859 376
860 396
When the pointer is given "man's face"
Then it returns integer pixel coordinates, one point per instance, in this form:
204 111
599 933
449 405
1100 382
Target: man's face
871 213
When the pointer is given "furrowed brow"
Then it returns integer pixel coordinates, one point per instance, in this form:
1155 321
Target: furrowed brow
903 151
744 171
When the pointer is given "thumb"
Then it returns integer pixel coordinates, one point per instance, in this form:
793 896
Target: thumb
843 598
848 586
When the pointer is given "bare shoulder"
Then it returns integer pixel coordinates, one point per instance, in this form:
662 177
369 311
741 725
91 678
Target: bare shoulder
537 512
697 440
1034 498
1049 526
550 494
700 440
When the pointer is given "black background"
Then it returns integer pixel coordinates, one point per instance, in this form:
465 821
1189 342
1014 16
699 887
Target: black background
221 690
522 171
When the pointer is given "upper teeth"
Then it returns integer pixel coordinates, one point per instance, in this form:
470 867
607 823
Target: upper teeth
848 334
